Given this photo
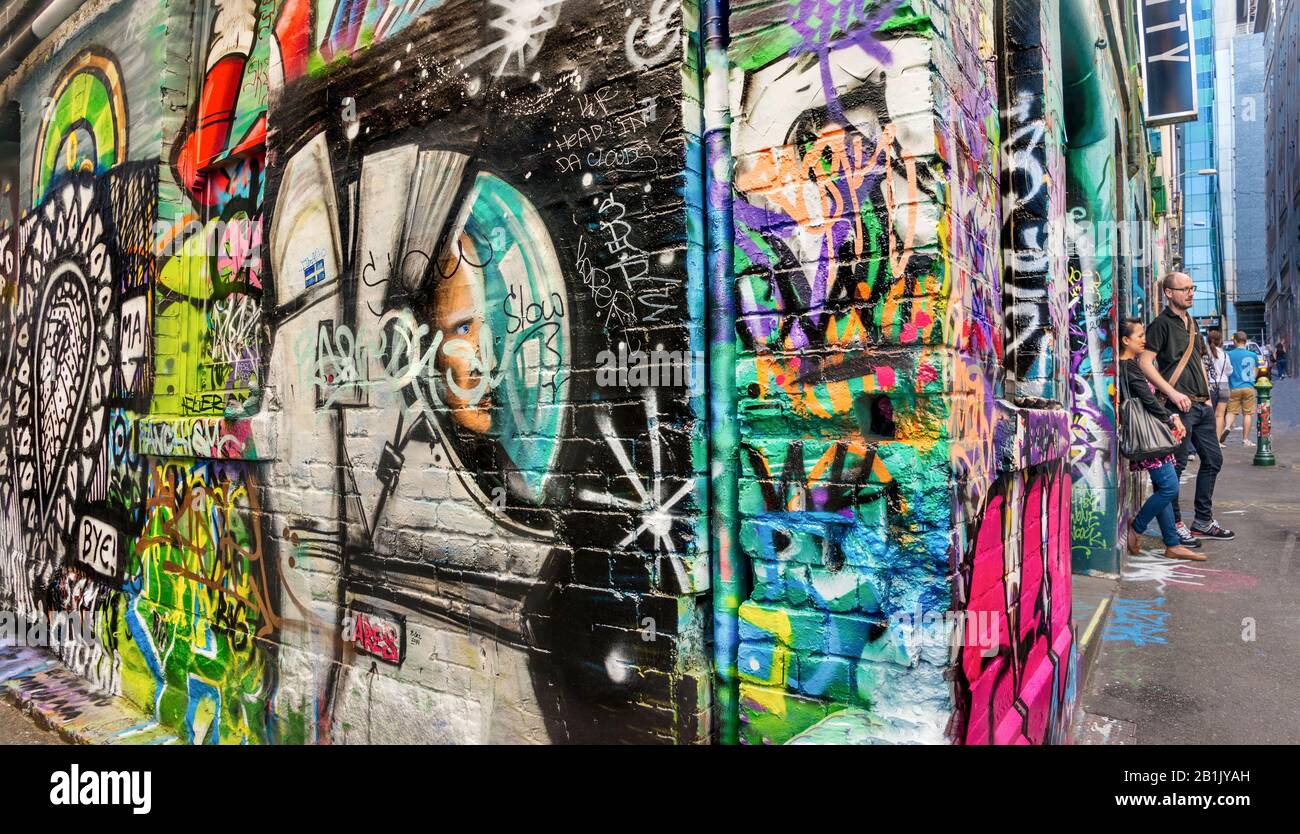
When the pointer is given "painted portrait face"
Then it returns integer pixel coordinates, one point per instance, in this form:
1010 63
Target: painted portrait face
458 308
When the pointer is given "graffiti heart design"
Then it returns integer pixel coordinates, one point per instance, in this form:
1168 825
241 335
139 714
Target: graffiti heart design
63 345
61 370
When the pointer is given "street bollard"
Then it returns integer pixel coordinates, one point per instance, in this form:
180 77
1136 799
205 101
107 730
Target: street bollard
1264 449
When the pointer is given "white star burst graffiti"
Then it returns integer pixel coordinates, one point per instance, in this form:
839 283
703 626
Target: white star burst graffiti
656 512
523 25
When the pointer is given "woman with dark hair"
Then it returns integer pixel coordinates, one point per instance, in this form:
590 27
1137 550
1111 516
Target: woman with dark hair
1217 369
1164 476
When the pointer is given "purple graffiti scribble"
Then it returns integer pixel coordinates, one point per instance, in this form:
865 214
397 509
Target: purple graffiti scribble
1093 411
776 224
818 21
982 331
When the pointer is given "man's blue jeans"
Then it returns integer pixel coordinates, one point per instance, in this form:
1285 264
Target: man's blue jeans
1160 506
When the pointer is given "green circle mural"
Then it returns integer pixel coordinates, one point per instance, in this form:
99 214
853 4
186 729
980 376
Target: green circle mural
83 126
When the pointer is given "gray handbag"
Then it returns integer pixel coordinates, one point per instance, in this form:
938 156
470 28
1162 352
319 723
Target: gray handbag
1141 435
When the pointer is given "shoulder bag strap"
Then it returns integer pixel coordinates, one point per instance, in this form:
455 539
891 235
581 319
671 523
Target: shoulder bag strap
1191 341
1187 354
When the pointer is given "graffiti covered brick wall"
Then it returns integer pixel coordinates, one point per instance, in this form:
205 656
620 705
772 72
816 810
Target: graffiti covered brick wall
1033 206
465 236
877 443
76 326
865 291
1017 663
1098 253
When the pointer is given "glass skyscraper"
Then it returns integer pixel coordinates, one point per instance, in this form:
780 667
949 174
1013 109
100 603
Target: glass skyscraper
1201 222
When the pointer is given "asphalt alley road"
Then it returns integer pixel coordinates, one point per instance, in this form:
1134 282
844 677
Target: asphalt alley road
1209 652
17 728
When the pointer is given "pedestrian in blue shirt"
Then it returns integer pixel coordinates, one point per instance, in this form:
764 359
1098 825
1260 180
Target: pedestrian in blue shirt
1242 365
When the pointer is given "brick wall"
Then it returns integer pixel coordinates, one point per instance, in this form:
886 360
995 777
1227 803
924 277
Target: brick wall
878 438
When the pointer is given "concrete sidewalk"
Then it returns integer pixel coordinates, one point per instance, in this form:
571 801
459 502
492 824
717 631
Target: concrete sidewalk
39 685
1209 652
16 727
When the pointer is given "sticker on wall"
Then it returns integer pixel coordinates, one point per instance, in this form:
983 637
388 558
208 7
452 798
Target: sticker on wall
313 268
381 635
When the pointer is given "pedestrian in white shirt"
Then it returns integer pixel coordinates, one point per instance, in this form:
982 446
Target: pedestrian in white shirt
1217 369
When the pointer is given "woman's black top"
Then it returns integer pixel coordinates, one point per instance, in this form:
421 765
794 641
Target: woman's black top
1140 388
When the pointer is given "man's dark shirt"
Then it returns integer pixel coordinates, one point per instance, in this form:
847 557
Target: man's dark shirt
1167 338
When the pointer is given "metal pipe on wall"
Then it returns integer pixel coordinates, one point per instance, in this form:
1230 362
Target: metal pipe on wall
724 437
42 24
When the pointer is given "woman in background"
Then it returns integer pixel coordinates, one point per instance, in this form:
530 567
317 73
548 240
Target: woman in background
1217 369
